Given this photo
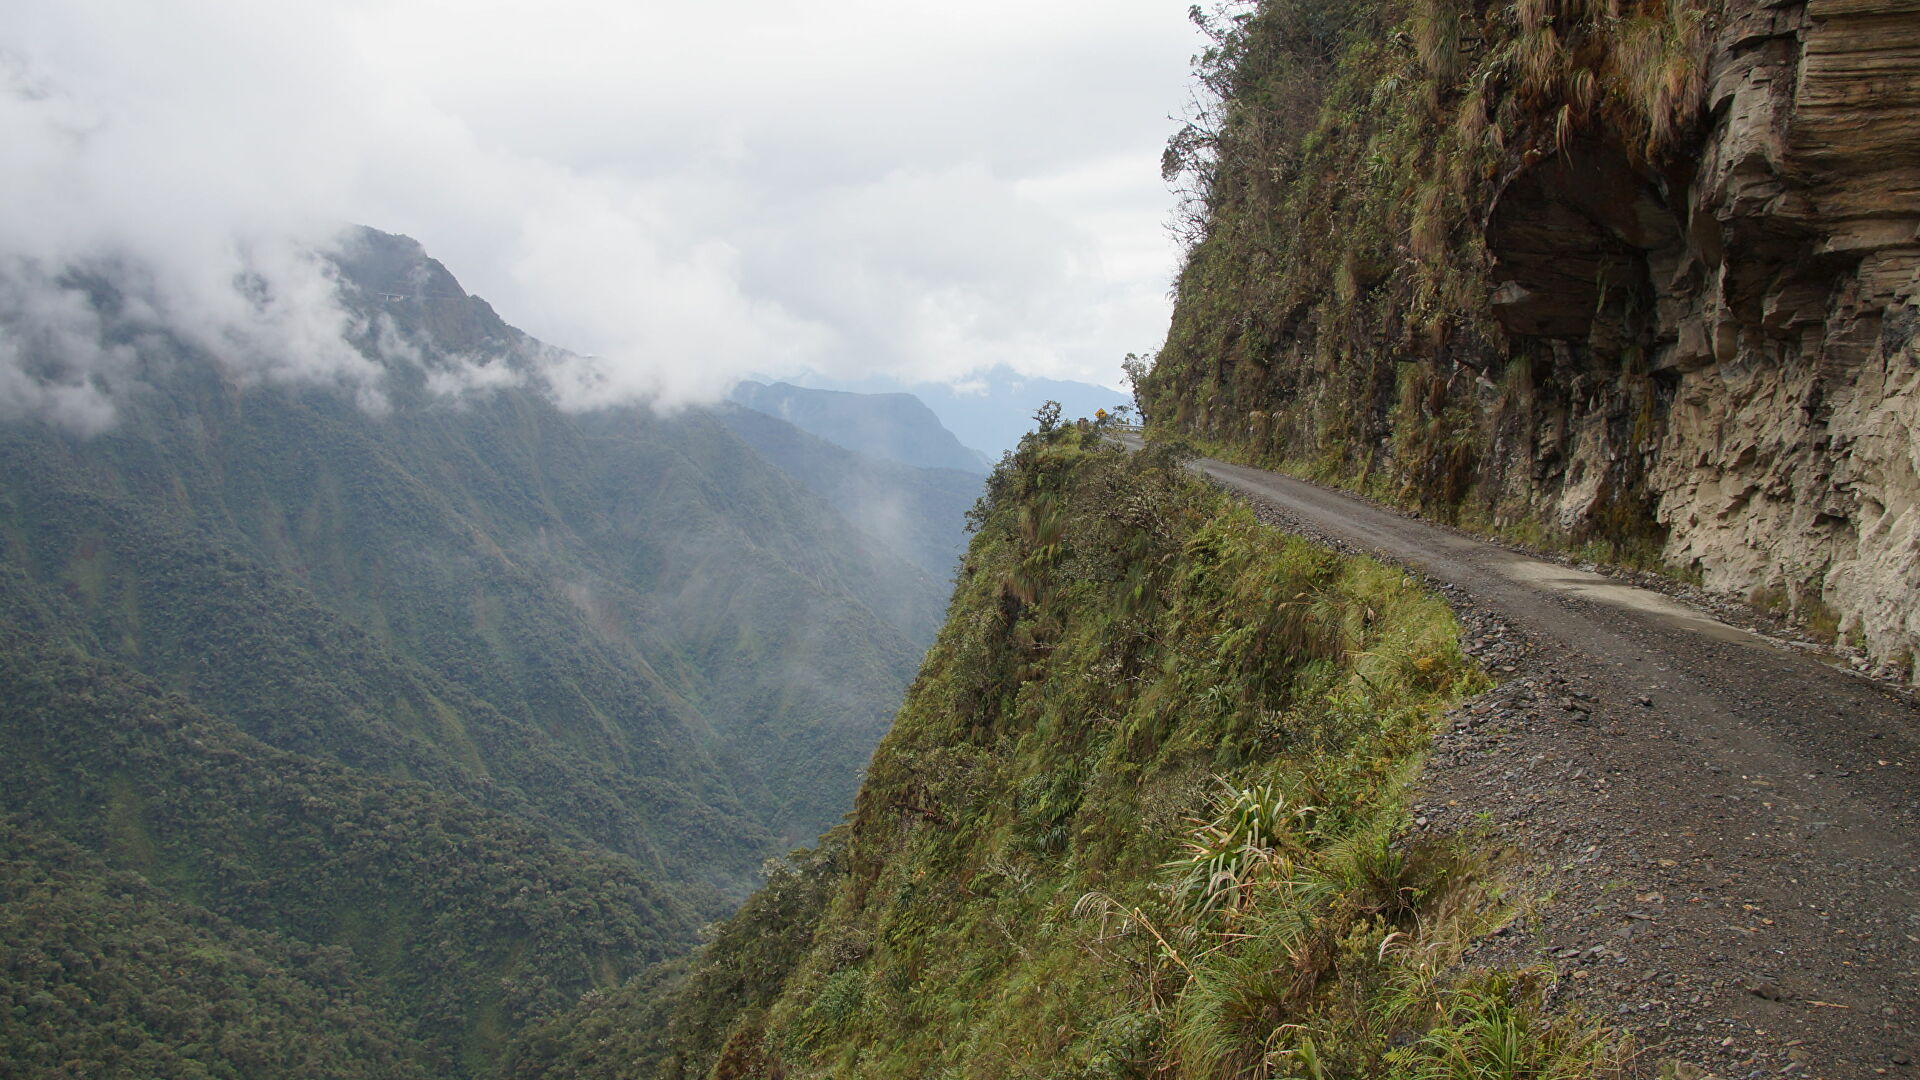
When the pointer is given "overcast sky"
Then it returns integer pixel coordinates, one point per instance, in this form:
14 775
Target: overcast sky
693 192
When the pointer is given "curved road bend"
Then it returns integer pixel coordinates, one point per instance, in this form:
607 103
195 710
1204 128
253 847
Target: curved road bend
1729 827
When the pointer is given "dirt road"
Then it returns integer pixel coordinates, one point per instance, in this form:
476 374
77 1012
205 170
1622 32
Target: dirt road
1728 828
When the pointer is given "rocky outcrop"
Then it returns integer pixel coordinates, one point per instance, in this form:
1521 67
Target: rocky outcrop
1790 464
1780 263
1643 273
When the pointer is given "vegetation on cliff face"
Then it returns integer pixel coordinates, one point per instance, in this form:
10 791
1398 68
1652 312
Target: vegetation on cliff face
1357 173
1142 814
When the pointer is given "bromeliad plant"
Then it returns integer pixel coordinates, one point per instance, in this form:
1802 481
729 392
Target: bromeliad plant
1254 838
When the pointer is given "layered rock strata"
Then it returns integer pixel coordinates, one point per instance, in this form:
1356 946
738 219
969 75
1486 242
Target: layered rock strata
1787 318
1781 261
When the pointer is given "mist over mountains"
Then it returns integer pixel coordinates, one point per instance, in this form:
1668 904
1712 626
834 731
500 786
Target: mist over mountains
892 427
401 652
990 408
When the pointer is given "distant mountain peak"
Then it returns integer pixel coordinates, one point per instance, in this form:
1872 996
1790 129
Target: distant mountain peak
391 282
894 426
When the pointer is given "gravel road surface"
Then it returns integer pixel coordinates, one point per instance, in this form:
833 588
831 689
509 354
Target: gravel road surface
1725 829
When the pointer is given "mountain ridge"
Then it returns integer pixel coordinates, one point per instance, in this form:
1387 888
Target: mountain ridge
891 426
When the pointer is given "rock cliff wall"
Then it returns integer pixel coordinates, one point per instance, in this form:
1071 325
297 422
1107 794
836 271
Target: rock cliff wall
1643 274
1790 459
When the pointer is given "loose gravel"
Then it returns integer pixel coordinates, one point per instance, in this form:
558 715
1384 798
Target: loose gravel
1720 830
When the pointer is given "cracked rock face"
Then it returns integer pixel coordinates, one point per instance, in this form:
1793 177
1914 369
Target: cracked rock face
1771 413
1790 461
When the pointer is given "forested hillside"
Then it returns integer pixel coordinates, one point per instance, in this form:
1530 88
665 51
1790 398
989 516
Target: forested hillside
498 699
104 969
1142 814
471 920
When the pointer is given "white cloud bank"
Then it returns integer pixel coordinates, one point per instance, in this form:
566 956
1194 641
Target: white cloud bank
859 188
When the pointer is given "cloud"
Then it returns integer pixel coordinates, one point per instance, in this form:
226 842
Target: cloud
681 197
43 321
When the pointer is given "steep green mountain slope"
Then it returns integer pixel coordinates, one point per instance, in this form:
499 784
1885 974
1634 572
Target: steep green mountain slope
1142 814
153 591
502 699
617 600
